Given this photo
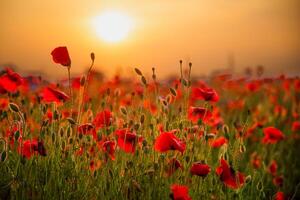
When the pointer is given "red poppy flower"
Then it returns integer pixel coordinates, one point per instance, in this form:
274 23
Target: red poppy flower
168 141
255 160
180 192
3 103
53 95
61 56
205 93
228 176
272 135
296 126
10 81
196 113
273 168
174 164
200 169
31 147
280 196
278 181
254 86
109 147
87 129
218 142
76 83
103 119
127 140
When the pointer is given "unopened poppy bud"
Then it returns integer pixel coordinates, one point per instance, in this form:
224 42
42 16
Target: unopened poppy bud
173 91
138 71
185 83
242 148
14 107
260 186
137 185
82 81
56 115
123 110
225 129
136 127
61 132
17 135
144 81
248 179
3 156
92 56
71 121
190 65
142 119
69 132
210 135
180 61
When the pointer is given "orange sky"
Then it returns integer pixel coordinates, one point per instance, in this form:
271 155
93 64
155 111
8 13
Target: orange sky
205 32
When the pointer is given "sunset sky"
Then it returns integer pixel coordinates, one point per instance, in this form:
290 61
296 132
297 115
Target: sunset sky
162 32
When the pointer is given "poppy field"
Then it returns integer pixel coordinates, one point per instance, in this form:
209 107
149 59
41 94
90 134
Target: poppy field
89 137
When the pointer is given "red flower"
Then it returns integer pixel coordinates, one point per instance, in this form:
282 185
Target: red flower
87 129
296 126
10 81
273 168
61 56
228 176
53 95
272 135
196 113
109 147
127 140
3 103
76 83
31 147
180 192
216 143
205 93
255 160
168 141
280 196
103 119
278 181
200 169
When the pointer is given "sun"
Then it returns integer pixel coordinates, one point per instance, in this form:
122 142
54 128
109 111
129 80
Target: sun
112 26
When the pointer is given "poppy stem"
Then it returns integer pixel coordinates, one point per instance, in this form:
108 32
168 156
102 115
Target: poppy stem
70 89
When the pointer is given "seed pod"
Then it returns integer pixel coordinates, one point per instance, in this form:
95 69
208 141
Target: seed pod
14 107
173 91
138 71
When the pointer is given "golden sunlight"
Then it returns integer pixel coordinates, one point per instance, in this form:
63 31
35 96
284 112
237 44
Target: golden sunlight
112 26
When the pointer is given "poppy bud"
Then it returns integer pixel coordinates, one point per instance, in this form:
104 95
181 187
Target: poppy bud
242 148
138 71
14 107
3 156
71 121
82 81
174 93
142 119
180 61
61 132
92 56
144 80
123 110
17 135
248 179
185 83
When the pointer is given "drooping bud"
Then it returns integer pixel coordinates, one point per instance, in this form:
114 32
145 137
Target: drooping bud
14 107
92 56
138 71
